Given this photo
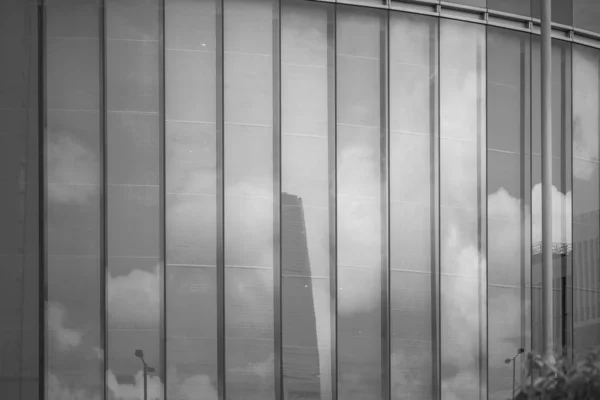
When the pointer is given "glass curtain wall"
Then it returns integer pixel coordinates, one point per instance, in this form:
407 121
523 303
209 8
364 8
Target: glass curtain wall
191 198
133 197
586 199
462 218
373 201
19 201
307 152
74 199
508 205
361 172
413 131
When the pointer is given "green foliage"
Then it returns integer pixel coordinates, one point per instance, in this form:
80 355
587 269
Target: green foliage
563 380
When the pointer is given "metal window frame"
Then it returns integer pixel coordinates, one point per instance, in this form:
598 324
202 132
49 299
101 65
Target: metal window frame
220 184
42 193
435 233
332 186
162 197
104 201
384 129
277 253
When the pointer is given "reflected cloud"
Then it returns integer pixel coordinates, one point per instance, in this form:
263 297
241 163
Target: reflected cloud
561 215
134 299
65 338
197 387
56 390
69 162
134 391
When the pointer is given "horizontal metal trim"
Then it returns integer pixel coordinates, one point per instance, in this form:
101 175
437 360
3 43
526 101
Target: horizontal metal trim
358 3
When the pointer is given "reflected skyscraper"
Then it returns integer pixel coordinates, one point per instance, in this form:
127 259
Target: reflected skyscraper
300 345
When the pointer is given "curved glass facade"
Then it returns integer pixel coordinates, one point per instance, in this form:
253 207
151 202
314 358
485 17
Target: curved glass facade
290 199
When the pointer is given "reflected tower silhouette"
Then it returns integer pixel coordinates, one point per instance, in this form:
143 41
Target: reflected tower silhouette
300 343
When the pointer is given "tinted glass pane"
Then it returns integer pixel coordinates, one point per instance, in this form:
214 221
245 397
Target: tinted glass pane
462 132
191 204
508 92
561 191
306 44
19 202
74 162
133 212
562 11
586 15
413 77
249 199
359 136
586 197
521 7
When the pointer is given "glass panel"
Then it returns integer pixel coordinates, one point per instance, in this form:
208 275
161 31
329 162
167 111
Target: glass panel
249 207
562 11
19 202
306 42
462 131
359 111
586 198
74 162
561 192
508 93
133 155
586 15
413 77
521 7
191 204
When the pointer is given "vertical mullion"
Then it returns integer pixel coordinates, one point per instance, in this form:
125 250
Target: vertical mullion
278 339
42 123
332 157
525 87
103 198
162 200
569 141
482 224
221 371
384 202
434 90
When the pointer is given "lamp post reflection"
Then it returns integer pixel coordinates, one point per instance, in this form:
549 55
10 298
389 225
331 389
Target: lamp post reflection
140 354
508 360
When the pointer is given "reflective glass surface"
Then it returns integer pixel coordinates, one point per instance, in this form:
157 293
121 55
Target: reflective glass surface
463 266
585 15
74 162
191 202
19 202
521 7
508 155
413 101
367 181
360 66
561 194
249 206
134 270
306 65
586 198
